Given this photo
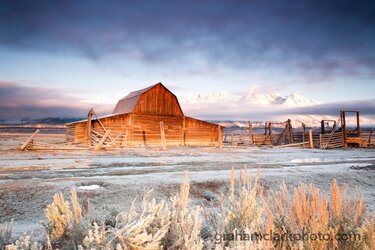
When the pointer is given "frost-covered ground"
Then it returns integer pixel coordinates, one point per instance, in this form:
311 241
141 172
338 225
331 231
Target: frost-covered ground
112 179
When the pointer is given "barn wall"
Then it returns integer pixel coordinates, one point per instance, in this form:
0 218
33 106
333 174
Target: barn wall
117 124
76 132
70 133
146 129
158 101
199 132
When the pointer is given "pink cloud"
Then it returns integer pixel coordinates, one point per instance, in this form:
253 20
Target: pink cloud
18 101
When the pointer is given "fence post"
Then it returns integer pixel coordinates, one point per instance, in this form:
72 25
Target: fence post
88 136
251 141
162 134
311 139
219 137
290 131
303 133
270 131
183 131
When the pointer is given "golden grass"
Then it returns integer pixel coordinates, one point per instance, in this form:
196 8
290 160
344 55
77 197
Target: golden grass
25 243
175 224
77 211
58 214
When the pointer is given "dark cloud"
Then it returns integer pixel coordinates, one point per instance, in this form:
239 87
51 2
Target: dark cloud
329 38
18 101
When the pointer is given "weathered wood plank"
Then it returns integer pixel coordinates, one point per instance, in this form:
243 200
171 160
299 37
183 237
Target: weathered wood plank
251 139
292 145
311 139
29 140
102 140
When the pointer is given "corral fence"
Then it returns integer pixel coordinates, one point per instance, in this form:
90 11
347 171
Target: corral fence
337 139
272 134
368 137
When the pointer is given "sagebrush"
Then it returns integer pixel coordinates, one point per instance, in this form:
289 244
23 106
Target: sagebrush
246 210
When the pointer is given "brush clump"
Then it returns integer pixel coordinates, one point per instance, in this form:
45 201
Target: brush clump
247 217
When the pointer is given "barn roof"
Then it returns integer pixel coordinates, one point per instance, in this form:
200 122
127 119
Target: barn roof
127 104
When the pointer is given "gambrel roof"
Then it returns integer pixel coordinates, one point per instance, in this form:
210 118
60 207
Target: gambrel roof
133 102
129 102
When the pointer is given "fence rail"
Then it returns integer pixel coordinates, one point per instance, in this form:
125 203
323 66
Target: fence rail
335 140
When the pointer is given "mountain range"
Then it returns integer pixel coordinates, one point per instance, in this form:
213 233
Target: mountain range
250 102
254 97
255 101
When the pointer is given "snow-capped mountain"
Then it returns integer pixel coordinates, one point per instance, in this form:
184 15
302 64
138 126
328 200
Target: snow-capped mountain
260 105
297 100
254 96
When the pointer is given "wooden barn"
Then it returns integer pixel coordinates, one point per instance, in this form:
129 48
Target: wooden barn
147 117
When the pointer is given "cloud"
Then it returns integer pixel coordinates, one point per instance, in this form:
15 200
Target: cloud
18 101
329 39
366 107
258 112
231 111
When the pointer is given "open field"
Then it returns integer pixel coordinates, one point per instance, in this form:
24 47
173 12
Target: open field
112 179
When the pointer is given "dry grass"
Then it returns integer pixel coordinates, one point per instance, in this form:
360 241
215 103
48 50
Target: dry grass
14 194
184 231
5 233
25 243
245 209
59 215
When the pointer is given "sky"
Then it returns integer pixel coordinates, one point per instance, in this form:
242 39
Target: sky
59 58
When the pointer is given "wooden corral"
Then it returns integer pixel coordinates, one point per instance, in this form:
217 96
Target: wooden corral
343 136
331 134
286 134
147 117
368 138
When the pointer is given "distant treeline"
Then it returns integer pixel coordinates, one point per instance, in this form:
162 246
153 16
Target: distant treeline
19 129
48 120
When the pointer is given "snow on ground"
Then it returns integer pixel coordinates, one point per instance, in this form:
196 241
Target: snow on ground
88 187
110 180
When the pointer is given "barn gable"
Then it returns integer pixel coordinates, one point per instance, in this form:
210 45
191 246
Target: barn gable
154 100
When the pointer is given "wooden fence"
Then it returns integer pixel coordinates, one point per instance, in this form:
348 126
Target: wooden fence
337 140
368 137
300 137
332 140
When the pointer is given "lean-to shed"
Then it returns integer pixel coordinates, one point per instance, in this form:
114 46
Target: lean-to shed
136 121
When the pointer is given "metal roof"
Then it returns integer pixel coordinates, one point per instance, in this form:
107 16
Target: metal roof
127 104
